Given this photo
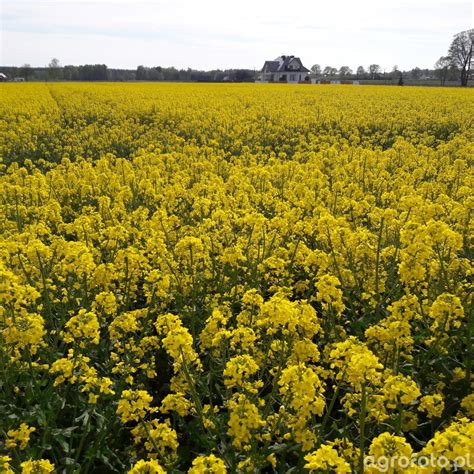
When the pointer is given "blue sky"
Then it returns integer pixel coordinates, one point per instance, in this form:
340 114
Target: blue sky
207 34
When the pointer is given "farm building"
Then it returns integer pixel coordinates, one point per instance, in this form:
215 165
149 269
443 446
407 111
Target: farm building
3 77
284 69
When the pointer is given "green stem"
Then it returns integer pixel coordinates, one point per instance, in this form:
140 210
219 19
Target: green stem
152 441
362 430
331 406
82 441
192 390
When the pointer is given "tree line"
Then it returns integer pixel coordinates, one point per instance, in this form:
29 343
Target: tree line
455 65
159 73
100 72
374 72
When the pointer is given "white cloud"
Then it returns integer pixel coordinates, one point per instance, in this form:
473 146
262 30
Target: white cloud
216 33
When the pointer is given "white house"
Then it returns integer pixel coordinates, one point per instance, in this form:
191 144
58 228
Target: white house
286 69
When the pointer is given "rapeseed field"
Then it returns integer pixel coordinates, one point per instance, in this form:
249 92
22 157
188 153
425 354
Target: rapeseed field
235 278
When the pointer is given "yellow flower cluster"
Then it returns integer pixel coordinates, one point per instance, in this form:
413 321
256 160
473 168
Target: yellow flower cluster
433 405
355 363
393 450
41 466
231 278
454 443
147 467
75 369
244 421
20 437
208 465
134 405
83 326
302 391
155 437
238 370
326 459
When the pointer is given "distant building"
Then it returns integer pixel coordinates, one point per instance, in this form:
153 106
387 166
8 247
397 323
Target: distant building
18 79
335 81
3 77
286 69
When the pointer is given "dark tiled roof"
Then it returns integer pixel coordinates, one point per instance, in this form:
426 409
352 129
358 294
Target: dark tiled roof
281 64
271 66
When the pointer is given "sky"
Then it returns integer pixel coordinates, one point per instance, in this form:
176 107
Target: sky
211 34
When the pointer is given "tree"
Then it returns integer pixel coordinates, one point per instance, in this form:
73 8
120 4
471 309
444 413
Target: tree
141 74
54 69
54 63
25 71
93 72
154 74
442 68
415 73
360 72
374 71
461 53
71 73
395 72
345 71
316 69
330 71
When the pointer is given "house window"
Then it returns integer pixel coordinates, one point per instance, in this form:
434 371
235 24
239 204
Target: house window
292 77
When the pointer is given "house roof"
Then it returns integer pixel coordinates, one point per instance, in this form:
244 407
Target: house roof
281 64
271 66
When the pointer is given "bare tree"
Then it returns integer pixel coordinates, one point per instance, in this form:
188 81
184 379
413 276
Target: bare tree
316 69
374 71
54 64
54 68
442 68
461 52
